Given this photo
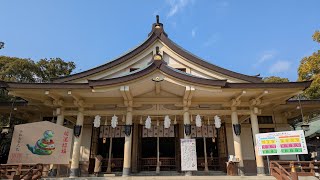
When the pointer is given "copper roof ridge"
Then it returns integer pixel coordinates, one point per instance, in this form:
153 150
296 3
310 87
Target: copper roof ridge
158 33
36 85
110 64
301 84
193 58
161 65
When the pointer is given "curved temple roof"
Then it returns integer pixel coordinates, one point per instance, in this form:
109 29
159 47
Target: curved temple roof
158 33
156 65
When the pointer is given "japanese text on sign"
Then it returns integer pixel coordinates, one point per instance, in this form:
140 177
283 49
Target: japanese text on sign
281 143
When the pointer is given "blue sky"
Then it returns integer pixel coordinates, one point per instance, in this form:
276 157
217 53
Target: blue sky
250 37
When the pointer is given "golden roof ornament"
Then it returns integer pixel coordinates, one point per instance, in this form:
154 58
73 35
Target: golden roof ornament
157 56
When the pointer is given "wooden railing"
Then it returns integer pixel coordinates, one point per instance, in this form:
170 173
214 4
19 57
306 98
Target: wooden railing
213 163
290 170
150 164
116 164
21 171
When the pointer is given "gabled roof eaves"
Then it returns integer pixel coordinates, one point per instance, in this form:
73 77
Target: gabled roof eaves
161 65
154 35
195 59
47 85
110 64
303 84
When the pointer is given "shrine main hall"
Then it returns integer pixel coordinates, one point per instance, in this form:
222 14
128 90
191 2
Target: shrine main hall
151 97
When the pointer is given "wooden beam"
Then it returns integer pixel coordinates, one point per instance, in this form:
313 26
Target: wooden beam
52 95
188 94
126 94
158 87
75 96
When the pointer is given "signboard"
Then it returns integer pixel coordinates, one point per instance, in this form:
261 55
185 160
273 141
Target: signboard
40 142
281 143
188 155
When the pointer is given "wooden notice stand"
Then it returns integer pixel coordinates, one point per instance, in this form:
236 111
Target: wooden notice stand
232 168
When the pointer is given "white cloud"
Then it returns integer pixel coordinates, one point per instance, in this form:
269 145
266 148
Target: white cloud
279 67
193 32
267 55
177 5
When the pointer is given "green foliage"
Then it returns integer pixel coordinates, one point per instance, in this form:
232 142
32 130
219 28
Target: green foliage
17 69
275 79
316 36
53 68
26 70
309 69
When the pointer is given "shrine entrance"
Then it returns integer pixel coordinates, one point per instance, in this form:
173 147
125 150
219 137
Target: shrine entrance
211 147
110 146
158 148
207 147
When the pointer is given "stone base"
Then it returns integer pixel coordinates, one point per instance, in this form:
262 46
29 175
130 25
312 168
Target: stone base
53 172
158 170
241 171
260 171
126 172
74 173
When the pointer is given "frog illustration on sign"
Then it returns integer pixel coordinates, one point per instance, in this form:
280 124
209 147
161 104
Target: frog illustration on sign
44 146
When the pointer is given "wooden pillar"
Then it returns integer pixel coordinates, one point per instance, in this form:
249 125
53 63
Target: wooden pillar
74 170
60 120
237 140
110 153
206 169
135 139
158 150
186 121
255 130
127 146
60 116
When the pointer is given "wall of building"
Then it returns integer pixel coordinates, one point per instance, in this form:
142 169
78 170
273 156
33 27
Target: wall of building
246 142
85 148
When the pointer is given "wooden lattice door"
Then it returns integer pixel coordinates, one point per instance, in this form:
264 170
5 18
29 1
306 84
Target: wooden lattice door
222 147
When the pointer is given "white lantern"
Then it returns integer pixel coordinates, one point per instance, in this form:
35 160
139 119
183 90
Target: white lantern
167 122
96 122
198 121
148 122
217 121
114 121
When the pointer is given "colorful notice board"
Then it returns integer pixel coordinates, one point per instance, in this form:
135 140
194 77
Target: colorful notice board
281 143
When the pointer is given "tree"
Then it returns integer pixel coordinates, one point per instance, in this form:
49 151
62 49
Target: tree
309 69
26 70
275 79
316 36
53 68
18 69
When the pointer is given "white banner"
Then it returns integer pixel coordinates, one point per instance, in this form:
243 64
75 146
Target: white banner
188 155
281 143
40 142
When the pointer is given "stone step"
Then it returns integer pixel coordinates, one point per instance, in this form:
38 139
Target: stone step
170 178
175 173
